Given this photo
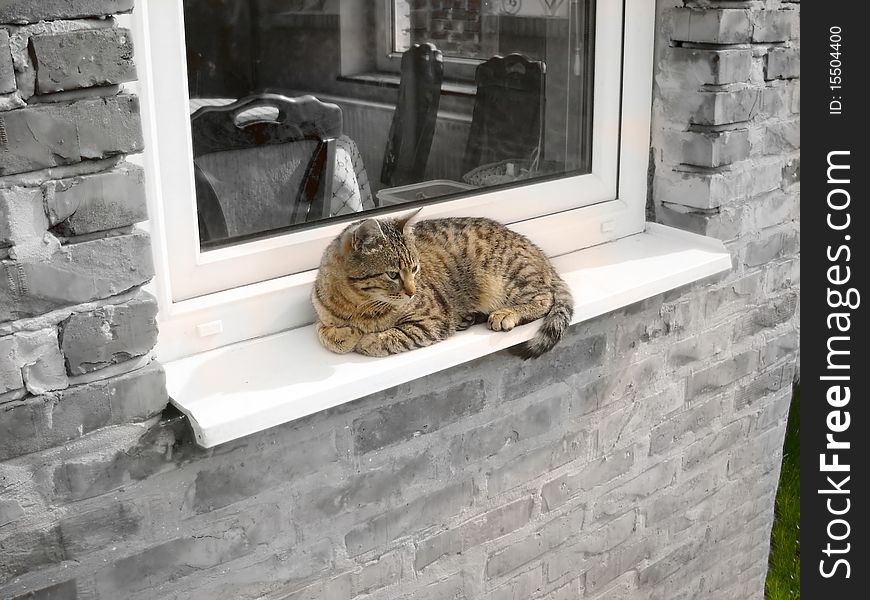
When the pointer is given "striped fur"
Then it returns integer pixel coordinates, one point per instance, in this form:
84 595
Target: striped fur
386 286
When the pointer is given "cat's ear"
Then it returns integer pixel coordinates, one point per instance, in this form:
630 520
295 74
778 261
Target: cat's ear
366 236
406 223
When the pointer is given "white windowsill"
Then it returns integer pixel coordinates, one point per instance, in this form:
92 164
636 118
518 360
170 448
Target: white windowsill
250 386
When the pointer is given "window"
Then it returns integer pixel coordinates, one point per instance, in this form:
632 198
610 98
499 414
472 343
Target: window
552 138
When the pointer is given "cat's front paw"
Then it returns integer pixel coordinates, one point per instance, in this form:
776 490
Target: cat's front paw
470 320
503 319
340 340
372 344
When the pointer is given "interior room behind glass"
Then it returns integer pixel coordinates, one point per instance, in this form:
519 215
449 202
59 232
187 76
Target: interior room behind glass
304 110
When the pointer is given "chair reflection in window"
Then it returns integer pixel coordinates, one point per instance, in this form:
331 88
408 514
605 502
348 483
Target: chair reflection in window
507 124
263 163
413 124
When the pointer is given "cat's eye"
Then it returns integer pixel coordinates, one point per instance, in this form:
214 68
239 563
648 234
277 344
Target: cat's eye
393 274
415 269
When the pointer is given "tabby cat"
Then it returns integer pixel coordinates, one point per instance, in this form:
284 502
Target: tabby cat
387 286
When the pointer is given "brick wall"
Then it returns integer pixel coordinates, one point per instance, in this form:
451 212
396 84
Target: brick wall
456 27
76 329
639 459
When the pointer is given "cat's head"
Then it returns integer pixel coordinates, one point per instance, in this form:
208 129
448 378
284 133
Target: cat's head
377 260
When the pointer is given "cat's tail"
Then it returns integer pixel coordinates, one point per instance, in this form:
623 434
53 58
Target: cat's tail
555 322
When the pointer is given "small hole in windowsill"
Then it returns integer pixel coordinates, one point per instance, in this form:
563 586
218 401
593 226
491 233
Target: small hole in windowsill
391 80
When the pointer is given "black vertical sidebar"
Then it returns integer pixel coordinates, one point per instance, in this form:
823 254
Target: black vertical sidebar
835 358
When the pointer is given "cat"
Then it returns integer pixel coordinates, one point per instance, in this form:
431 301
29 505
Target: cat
388 286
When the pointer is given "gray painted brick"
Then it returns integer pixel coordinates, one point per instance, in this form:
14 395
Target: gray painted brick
712 26
718 375
90 203
45 421
521 587
570 591
536 463
762 450
179 557
268 575
699 453
774 25
763 384
696 66
716 188
90 530
715 149
7 71
625 382
572 356
782 63
59 591
779 347
641 325
776 408
764 250
791 172
597 473
628 493
27 11
387 484
722 108
548 537
49 135
696 419
633 421
10 511
225 484
622 588
387 570
28 549
37 354
74 274
452 587
784 136
417 416
704 346
687 493
734 297
538 419
580 555
777 99
777 311
773 209
133 396
134 454
10 371
671 563
109 335
620 560
720 223
22 218
418 514
81 59
489 526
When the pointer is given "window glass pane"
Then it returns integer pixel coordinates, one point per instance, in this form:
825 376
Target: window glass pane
308 110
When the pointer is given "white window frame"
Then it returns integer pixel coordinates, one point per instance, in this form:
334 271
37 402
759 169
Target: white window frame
215 298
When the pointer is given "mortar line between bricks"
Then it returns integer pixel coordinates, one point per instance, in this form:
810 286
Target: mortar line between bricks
54 317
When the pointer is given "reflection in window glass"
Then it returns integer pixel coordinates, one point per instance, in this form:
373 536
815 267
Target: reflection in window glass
304 110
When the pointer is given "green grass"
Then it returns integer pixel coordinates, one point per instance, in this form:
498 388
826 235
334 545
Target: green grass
784 574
